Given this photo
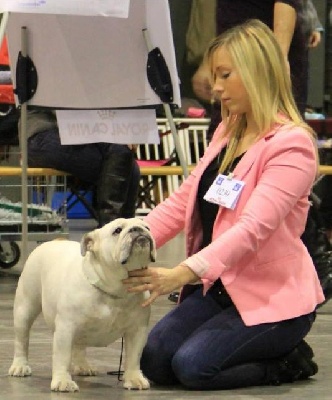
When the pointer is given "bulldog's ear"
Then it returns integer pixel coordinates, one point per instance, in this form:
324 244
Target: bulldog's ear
87 242
153 253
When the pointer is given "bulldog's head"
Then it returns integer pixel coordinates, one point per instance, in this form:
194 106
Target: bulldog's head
124 241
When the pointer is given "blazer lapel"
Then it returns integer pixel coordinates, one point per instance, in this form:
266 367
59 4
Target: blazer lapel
248 159
211 155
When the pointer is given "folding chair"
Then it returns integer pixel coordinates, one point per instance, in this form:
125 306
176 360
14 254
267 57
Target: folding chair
152 186
145 193
193 138
79 200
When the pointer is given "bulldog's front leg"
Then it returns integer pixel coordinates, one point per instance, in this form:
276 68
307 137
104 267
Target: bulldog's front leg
133 377
62 354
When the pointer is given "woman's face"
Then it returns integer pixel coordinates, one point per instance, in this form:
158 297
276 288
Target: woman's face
228 85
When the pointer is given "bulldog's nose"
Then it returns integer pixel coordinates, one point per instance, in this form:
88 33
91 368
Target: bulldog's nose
136 229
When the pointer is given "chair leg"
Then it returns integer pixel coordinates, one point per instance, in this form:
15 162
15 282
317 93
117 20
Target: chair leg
144 194
76 196
80 198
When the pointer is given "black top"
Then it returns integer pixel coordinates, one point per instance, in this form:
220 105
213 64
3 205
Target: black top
235 12
208 211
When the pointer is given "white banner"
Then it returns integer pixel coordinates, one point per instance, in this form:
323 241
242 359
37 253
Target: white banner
110 126
95 62
110 8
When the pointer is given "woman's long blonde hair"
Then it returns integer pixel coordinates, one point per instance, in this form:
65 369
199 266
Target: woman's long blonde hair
259 61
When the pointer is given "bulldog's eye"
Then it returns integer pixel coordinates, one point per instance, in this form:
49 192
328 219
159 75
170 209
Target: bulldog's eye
117 231
146 227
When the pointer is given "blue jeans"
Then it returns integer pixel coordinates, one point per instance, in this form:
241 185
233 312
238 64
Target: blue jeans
205 346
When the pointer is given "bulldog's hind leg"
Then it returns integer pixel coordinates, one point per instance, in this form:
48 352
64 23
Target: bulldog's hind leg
79 364
27 307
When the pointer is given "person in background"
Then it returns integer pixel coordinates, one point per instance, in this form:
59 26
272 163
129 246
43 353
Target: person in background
110 168
311 24
312 30
281 17
250 286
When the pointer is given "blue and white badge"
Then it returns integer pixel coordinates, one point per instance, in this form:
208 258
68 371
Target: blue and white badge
224 191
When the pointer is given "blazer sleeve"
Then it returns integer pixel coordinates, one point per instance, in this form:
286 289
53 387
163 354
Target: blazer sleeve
168 218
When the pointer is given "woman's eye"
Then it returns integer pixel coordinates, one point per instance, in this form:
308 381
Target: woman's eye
225 75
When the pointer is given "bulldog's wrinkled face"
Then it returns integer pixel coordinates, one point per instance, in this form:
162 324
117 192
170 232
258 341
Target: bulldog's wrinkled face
123 241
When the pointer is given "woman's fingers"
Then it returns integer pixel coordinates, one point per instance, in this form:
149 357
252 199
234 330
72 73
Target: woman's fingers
140 287
138 272
151 299
157 281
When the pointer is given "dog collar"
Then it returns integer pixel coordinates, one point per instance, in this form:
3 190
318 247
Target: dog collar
93 278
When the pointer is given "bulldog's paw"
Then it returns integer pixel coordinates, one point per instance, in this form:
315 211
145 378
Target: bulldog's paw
135 380
19 369
84 370
64 384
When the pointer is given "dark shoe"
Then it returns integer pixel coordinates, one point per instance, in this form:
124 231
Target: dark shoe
317 242
327 288
297 365
174 297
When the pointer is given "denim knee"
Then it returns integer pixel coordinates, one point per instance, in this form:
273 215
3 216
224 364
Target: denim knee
156 366
188 371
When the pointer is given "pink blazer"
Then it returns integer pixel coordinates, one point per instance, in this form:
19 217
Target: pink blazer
256 249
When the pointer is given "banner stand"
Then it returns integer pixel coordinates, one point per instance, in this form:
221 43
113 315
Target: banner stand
24 77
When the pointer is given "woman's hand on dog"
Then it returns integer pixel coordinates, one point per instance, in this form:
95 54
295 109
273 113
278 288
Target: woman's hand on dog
158 280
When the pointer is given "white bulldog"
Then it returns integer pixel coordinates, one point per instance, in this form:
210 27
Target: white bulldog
84 301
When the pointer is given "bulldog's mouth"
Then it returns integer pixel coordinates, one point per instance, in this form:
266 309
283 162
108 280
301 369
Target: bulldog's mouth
141 240
140 243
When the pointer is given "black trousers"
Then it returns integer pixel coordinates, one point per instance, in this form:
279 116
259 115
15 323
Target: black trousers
82 161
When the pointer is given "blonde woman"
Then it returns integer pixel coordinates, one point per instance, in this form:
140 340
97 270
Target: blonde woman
251 288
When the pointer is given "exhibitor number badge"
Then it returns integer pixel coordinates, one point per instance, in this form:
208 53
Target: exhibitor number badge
224 191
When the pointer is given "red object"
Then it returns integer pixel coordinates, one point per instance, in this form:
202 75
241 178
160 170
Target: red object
6 94
152 163
194 112
323 127
6 90
4 57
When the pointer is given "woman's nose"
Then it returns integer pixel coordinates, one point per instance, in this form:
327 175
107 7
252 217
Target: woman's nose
217 88
218 85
